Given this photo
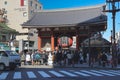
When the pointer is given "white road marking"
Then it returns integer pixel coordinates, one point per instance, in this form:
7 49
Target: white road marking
17 75
80 73
114 73
56 74
4 75
43 74
102 73
31 74
68 73
91 73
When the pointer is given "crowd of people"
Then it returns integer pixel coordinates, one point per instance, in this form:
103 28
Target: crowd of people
33 58
63 58
57 57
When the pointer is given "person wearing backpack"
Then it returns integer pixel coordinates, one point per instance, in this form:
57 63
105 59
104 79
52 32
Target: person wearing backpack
37 57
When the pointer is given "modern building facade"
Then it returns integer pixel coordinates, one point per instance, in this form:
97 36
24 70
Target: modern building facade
18 12
58 28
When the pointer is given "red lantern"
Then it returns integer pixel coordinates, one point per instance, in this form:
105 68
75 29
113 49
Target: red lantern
65 41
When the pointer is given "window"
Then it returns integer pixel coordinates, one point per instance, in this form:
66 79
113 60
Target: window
5 2
31 11
3 38
25 2
31 3
2 53
40 7
36 6
12 53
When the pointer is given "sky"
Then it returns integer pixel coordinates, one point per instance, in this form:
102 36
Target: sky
58 4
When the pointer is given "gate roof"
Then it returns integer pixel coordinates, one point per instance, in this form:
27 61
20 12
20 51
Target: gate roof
67 17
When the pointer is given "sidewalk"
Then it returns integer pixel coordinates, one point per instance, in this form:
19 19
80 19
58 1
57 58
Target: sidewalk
84 65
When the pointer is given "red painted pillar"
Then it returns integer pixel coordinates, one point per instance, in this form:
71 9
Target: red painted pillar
77 39
39 41
52 42
77 42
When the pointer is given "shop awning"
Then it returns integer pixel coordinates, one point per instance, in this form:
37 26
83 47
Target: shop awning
5 29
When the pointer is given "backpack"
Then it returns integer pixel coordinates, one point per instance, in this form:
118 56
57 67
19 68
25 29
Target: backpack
37 56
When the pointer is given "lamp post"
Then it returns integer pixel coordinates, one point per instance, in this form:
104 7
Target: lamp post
113 7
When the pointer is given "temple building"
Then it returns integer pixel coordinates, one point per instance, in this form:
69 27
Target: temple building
66 28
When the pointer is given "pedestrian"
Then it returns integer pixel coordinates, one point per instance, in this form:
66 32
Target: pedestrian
33 58
37 57
22 56
69 58
44 57
81 57
99 58
104 59
28 58
109 58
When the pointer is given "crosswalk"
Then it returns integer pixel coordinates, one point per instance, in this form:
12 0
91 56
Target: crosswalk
58 73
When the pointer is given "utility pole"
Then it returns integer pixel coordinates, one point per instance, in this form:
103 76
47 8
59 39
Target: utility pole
89 47
113 7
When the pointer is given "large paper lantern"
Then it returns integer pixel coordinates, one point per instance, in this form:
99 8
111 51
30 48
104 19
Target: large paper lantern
65 41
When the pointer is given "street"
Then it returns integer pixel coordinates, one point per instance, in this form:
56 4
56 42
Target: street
60 74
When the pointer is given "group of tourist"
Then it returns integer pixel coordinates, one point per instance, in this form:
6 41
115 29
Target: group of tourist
33 58
57 57
63 58
68 57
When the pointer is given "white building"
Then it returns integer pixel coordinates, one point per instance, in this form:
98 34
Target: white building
18 12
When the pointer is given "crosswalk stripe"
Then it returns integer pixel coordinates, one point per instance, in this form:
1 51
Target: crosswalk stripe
17 75
110 72
68 73
31 74
4 75
43 74
102 73
91 73
115 71
56 74
61 73
80 73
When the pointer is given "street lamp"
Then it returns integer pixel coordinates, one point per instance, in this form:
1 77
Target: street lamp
113 7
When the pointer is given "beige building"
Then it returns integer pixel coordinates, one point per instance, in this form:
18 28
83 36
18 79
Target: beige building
18 12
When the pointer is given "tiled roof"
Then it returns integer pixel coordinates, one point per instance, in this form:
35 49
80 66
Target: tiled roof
5 29
96 42
67 17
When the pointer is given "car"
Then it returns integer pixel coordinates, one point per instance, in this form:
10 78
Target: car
9 59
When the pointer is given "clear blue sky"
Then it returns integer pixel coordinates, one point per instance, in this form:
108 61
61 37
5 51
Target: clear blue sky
57 4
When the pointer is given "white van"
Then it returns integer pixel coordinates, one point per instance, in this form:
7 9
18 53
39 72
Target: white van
9 59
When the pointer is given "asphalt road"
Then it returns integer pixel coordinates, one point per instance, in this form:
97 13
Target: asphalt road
35 73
